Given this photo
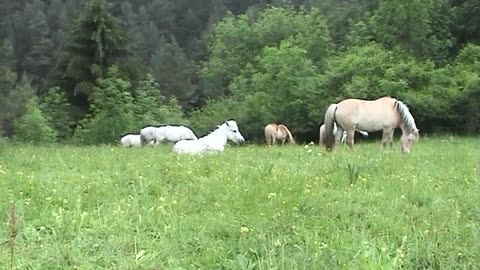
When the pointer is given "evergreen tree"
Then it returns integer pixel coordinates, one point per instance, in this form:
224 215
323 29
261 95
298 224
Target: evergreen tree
95 43
7 82
152 108
148 36
111 113
40 57
14 97
56 110
33 127
175 72
163 13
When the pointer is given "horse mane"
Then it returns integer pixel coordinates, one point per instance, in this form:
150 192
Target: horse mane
405 115
216 127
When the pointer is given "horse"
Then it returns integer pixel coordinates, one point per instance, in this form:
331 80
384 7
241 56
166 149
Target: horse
344 135
173 134
273 132
215 141
148 135
131 140
385 113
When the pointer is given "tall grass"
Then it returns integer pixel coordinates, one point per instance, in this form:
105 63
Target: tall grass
251 207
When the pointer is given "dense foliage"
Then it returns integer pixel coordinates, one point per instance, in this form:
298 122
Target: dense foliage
257 61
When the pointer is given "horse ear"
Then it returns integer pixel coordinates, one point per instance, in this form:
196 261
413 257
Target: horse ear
226 122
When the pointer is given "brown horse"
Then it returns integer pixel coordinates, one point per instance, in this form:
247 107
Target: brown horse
280 132
384 114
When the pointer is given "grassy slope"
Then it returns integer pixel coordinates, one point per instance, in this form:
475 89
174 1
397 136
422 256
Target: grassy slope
252 206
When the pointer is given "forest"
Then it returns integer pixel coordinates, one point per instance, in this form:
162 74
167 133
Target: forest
88 72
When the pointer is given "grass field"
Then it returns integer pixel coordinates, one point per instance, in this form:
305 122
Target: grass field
251 207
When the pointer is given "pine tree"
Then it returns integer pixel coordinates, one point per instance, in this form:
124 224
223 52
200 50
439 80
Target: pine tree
33 127
7 81
56 110
175 72
95 43
148 35
40 57
148 98
111 113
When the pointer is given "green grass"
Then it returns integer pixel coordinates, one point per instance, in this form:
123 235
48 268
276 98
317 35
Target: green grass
251 207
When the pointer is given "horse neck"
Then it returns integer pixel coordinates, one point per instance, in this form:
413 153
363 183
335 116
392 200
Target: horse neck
216 136
406 121
405 128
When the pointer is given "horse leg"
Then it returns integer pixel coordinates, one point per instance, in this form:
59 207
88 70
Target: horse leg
338 137
350 136
390 139
387 133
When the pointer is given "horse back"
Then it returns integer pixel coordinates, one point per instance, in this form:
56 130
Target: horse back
369 115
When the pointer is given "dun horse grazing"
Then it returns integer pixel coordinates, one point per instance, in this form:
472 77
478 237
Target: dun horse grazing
384 114
344 135
280 132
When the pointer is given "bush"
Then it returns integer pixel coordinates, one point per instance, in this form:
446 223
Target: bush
111 113
33 127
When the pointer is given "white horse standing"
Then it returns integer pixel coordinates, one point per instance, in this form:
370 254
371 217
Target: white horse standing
131 140
147 135
215 141
344 136
174 134
156 135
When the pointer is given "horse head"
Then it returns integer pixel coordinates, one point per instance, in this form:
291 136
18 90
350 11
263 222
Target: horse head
232 132
408 139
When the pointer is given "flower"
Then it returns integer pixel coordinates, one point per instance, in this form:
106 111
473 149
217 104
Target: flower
244 229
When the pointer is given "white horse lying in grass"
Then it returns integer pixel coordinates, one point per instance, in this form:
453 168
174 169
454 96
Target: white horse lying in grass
131 140
166 133
344 135
215 141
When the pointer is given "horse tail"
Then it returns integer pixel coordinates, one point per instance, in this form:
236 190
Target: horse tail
364 133
321 135
329 122
289 134
267 135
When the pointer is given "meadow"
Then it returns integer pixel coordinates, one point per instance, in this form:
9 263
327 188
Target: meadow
251 207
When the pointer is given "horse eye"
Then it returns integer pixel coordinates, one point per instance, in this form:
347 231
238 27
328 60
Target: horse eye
234 131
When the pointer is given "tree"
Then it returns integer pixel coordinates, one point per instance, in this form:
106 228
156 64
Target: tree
175 72
56 110
33 127
148 36
417 27
7 82
467 70
14 98
111 113
236 43
152 108
95 43
39 60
